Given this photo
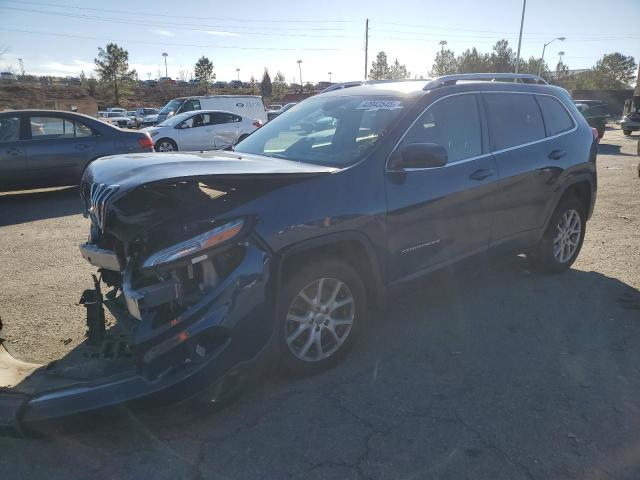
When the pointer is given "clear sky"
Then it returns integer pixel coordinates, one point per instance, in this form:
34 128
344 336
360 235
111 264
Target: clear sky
328 36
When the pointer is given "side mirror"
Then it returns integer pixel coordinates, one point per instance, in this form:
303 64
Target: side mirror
420 155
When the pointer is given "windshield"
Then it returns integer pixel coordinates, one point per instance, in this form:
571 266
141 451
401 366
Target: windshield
114 114
176 119
334 131
172 106
150 111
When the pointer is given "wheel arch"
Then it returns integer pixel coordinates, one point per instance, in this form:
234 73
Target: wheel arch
175 143
352 247
583 188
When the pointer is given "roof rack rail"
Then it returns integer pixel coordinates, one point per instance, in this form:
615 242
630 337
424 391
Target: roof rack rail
446 80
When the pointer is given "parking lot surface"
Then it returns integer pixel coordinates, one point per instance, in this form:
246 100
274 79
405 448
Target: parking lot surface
492 372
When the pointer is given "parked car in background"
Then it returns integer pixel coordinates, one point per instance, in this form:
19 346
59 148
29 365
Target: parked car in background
119 119
271 114
630 122
166 80
219 84
116 109
101 114
245 105
594 111
8 76
235 84
202 130
132 115
46 148
141 113
150 83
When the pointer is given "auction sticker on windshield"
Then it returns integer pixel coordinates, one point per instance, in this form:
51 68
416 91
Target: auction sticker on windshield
380 105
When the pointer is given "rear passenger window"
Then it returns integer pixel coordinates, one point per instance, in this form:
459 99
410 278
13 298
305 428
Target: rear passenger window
514 119
556 117
9 129
454 123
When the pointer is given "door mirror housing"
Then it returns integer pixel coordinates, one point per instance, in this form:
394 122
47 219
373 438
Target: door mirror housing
420 155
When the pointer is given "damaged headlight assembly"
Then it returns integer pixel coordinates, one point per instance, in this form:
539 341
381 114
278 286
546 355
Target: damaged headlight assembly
195 245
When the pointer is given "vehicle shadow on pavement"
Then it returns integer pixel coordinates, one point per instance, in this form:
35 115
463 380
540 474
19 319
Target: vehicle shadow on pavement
487 372
27 206
608 149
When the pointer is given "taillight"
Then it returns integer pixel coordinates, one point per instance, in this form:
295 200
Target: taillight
145 142
257 124
596 135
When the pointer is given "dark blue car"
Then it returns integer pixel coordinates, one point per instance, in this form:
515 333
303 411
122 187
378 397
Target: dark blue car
216 261
51 148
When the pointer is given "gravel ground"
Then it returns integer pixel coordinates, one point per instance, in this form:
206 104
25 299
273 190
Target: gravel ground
499 374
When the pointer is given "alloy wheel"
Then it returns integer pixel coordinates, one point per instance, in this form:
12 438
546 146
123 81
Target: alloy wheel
165 147
319 319
567 239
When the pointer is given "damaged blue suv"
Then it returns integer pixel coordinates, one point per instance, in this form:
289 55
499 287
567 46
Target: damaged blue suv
212 261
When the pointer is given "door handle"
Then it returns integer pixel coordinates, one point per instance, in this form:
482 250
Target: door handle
14 151
481 174
556 154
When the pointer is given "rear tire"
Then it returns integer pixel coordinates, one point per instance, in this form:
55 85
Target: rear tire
562 241
322 307
627 132
165 145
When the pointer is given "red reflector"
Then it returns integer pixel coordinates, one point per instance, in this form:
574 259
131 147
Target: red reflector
257 124
145 142
596 135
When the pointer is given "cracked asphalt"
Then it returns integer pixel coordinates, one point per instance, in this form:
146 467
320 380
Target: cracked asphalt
491 372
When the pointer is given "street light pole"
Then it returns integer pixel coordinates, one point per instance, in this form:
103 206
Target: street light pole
524 7
165 55
562 39
238 72
300 70
329 77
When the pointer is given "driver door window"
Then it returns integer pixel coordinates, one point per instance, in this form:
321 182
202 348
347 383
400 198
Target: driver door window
454 123
189 106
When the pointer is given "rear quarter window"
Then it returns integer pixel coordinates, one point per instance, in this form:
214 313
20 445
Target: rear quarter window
556 118
514 119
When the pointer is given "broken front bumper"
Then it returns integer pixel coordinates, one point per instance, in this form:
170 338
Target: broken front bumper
224 332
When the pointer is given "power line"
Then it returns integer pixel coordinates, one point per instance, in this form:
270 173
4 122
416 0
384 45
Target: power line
447 29
201 27
148 14
124 41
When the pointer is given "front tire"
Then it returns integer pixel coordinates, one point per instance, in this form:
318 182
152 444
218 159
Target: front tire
562 241
627 132
321 311
165 145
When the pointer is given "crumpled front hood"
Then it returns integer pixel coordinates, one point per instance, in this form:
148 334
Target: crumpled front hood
130 171
130 195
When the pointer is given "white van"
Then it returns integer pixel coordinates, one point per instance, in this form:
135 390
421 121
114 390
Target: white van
244 105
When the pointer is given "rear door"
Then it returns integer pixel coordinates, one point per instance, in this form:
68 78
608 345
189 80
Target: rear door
59 149
225 129
436 215
13 153
527 174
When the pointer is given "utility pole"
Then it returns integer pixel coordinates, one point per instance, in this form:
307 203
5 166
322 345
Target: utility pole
300 69
238 72
524 6
329 77
21 67
165 55
366 47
